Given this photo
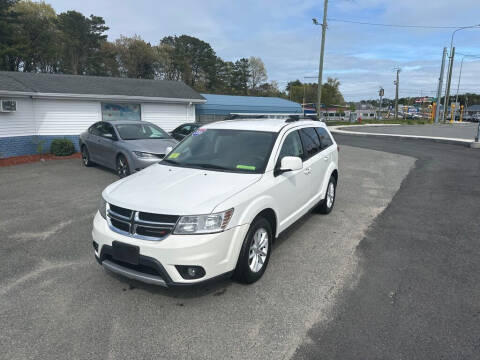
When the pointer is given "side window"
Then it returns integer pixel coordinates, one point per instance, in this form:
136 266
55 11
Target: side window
95 129
108 129
311 143
185 130
292 146
325 139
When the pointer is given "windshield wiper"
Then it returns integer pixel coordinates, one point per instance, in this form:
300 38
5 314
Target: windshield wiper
170 161
207 166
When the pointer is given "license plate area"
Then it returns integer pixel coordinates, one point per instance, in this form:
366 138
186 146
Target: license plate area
125 252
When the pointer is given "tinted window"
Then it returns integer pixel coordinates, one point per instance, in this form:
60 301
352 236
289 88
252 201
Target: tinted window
292 146
311 144
325 139
94 129
224 150
185 130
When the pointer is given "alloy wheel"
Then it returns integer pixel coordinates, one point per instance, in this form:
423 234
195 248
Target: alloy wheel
258 250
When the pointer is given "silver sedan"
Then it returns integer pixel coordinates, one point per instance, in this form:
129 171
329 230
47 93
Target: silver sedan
124 146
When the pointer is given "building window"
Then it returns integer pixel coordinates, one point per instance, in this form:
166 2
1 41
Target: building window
121 111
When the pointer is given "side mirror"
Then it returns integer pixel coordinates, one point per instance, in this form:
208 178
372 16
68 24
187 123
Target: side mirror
110 136
168 149
291 163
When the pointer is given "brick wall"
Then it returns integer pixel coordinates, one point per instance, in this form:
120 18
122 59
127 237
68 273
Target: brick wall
28 145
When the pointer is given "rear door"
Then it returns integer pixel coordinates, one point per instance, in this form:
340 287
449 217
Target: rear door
327 151
92 139
313 162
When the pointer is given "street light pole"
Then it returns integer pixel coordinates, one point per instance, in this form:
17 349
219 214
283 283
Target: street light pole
322 51
450 66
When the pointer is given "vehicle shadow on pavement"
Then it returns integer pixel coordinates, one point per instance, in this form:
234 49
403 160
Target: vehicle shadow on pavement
215 288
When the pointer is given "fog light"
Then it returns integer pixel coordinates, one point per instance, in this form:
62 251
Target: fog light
190 272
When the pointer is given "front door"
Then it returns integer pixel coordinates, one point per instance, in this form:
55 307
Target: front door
291 189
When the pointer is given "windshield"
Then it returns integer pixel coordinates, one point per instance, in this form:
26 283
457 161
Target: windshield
141 131
224 150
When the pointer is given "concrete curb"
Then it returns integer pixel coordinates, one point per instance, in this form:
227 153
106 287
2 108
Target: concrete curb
458 141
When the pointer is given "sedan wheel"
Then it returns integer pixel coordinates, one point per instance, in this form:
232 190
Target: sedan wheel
86 157
123 169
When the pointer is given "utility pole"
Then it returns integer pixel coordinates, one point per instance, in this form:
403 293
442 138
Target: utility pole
397 82
381 92
440 83
322 51
449 80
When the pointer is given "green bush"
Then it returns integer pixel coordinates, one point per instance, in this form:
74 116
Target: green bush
62 147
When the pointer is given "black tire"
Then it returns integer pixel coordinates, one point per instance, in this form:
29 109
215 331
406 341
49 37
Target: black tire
326 206
123 169
243 272
86 157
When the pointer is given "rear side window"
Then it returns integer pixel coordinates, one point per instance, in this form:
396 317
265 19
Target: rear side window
292 146
311 143
325 139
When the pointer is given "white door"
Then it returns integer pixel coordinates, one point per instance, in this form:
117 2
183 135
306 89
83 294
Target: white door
290 189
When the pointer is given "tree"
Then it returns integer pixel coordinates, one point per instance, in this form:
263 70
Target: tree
82 39
9 50
137 58
241 76
36 36
331 94
192 60
258 74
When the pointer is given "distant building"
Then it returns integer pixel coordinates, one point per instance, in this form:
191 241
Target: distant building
36 108
219 107
472 110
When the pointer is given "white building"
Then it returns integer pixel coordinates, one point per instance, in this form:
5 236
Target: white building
36 108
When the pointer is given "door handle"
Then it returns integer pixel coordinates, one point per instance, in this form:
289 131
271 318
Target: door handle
307 171
325 158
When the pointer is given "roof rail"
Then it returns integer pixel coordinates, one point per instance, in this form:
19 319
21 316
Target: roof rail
293 118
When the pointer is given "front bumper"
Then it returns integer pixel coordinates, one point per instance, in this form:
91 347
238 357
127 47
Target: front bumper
138 164
216 253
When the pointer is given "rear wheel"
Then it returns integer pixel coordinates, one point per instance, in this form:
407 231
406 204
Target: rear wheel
123 169
326 206
255 252
86 157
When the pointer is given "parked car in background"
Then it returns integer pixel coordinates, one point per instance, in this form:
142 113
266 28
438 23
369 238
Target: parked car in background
124 146
214 205
184 130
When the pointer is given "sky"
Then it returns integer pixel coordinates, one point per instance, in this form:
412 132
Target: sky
282 34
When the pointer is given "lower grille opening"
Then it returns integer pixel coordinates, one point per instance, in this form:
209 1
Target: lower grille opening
140 267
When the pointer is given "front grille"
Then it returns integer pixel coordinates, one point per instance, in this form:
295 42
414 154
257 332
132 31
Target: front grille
141 225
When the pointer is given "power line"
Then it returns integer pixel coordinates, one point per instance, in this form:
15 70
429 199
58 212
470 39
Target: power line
395 25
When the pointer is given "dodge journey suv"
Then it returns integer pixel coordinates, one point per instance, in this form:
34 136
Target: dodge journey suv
214 205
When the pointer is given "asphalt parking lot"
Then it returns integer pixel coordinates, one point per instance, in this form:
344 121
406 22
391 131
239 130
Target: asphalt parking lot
465 130
57 302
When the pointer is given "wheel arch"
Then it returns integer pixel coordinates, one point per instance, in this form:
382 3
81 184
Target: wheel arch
270 215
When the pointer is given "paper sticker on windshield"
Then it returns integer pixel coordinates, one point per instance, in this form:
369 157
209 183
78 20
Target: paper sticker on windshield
173 155
246 167
199 131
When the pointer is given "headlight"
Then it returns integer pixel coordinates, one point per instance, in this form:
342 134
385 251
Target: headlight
144 155
203 224
102 208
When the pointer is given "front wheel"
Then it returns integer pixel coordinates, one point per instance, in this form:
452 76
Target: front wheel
255 252
86 156
123 169
327 203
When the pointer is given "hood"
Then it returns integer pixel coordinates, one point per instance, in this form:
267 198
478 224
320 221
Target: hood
154 146
174 190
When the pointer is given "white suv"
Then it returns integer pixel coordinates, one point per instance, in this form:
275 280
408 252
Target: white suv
215 204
